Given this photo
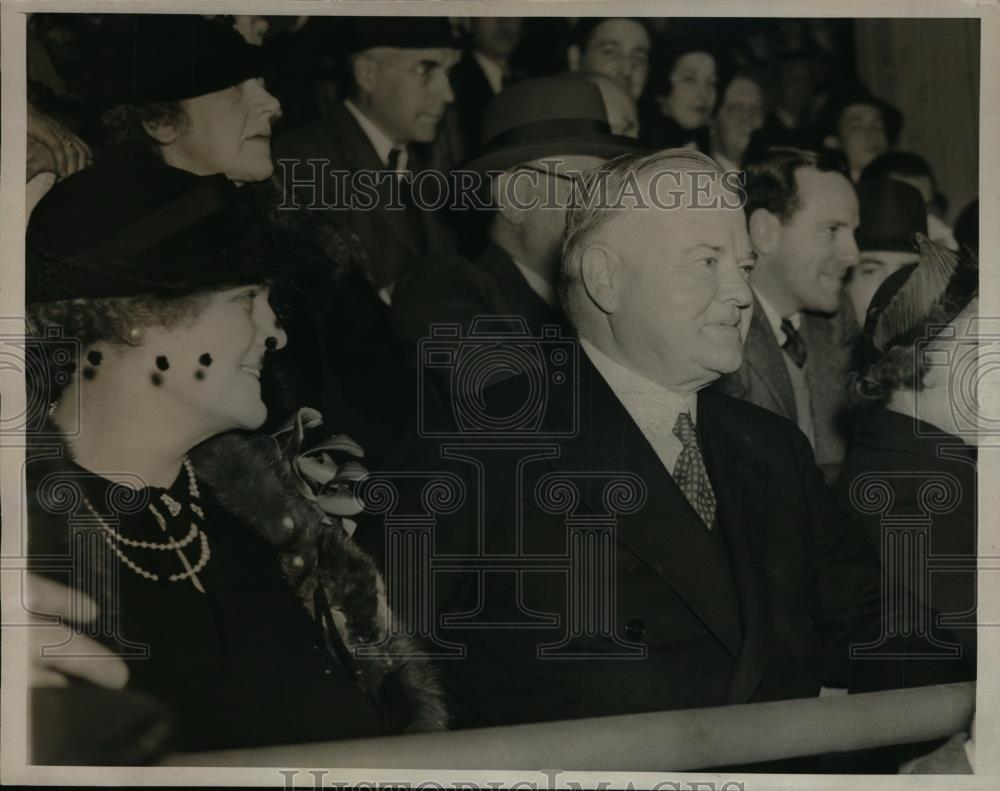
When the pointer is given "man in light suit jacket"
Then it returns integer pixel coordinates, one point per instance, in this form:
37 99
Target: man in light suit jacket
802 212
400 90
637 543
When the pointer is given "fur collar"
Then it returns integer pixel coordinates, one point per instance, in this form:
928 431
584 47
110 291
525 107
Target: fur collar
332 577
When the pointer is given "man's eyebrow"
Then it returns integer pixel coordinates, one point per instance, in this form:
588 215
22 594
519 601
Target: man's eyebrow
703 246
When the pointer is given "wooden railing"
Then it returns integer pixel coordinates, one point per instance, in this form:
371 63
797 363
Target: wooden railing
659 741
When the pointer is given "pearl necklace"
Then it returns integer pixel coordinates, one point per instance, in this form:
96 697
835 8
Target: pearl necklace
116 540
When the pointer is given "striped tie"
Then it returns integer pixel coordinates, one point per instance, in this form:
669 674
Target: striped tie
690 473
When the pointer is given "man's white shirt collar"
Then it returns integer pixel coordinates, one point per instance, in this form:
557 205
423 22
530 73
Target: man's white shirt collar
653 408
774 318
381 142
492 70
538 284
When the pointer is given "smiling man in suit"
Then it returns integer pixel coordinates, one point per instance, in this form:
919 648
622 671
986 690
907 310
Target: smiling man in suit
638 542
802 212
399 70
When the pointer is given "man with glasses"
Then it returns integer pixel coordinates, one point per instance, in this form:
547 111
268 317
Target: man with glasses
539 137
399 90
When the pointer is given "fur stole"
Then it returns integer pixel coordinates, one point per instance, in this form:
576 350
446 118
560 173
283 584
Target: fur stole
333 578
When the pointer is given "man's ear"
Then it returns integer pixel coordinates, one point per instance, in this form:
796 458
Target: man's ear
364 69
573 57
512 195
599 272
164 134
764 230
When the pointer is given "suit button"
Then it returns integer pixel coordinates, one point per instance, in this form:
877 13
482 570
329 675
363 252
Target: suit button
635 629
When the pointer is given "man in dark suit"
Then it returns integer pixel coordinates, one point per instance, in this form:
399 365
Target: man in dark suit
634 543
400 89
802 212
533 166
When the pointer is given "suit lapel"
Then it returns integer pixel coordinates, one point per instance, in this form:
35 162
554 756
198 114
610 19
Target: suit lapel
740 481
665 532
365 157
764 359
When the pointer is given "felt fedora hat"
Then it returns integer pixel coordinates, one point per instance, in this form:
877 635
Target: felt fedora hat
546 116
891 215
401 33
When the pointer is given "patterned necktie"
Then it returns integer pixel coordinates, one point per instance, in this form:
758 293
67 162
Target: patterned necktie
690 473
794 346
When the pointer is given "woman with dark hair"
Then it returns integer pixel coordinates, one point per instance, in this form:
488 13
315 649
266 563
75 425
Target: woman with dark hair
911 468
685 97
236 602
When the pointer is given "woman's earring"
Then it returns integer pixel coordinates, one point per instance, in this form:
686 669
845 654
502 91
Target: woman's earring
204 361
95 358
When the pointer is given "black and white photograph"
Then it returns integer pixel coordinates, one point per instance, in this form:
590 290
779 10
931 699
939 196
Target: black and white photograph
500 394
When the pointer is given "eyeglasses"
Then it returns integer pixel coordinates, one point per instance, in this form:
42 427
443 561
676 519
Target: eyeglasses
426 71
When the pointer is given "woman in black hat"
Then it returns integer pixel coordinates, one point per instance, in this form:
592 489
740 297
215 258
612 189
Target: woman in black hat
189 92
913 455
233 598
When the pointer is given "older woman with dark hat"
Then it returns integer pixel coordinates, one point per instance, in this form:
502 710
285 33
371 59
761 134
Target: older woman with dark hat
910 475
234 600
189 92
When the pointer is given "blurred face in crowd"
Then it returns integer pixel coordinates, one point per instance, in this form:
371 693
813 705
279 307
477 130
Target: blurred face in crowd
864 279
795 86
862 135
618 48
623 115
252 28
807 256
740 115
406 91
496 37
228 131
676 286
692 90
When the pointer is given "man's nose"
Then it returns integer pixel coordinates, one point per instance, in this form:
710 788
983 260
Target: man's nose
848 253
443 89
733 287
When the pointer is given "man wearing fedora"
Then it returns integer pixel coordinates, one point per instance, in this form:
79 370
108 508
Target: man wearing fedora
802 212
538 136
892 214
399 74
646 544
